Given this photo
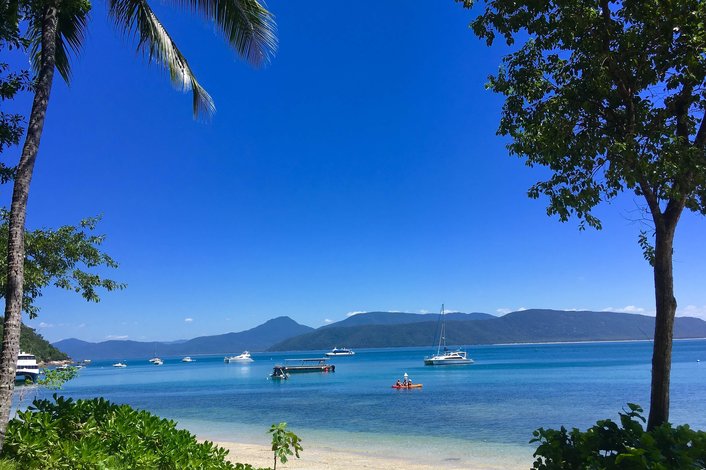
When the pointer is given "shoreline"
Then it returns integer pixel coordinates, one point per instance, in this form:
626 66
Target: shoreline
327 457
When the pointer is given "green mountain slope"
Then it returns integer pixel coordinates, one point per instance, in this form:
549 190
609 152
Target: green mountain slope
32 342
528 326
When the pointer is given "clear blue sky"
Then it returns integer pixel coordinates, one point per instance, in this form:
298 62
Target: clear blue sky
359 171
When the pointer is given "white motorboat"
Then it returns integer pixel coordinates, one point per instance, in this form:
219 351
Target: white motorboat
244 357
187 359
156 361
444 356
340 352
119 364
27 368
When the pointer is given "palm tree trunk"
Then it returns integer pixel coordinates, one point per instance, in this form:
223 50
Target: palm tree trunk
18 211
666 307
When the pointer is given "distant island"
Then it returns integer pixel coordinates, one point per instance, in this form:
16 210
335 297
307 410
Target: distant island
395 329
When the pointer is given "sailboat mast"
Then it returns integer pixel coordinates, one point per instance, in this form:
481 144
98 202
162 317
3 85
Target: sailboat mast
442 336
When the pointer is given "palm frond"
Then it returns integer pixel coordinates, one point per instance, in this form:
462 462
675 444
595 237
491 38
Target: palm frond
136 18
71 31
246 24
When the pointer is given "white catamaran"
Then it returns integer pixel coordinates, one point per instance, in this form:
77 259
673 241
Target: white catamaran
443 356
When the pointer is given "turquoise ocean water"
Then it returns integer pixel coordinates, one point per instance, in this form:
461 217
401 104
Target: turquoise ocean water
490 407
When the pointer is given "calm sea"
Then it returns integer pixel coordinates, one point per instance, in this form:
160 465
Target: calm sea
489 407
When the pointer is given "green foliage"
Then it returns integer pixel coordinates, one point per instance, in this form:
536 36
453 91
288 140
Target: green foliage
608 95
54 379
648 249
93 434
12 81
7 465
62 257
608 445
284 443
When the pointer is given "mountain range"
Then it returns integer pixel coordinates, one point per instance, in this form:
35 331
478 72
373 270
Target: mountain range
259 338
397 329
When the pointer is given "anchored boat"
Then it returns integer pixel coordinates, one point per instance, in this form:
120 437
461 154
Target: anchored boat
340 352
244 357
315 364
27 368
445 357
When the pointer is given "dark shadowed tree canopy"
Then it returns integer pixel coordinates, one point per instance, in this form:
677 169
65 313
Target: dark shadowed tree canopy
610 96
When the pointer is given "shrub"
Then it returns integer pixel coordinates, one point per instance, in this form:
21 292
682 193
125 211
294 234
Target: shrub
7 465
606 445
98 434
284 443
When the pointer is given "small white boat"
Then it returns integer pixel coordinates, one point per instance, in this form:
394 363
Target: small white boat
27 368
119 364
340 352
187 359
244 357
157 361
444 357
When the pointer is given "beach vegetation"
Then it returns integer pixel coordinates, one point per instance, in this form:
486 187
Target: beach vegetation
62 433
54 379
625 445
7 465
284 443
66 257
609 96
54 30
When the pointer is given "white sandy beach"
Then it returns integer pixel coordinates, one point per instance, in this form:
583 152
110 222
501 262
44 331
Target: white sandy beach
322 457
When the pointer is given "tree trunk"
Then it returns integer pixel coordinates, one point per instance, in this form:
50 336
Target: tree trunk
666 307
18 211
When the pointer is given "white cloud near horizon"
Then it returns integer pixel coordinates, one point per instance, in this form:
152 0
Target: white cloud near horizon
692 311
118 337
45 325
505 310
358 312
328 320
188 320
626 309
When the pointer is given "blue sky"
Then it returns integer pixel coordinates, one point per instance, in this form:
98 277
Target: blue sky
359 171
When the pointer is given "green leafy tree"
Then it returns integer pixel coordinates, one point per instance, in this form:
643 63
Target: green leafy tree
63 258
55 29
284 443
610 96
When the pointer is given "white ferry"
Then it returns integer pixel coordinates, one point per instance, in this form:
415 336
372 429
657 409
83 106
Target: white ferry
27 367
340 352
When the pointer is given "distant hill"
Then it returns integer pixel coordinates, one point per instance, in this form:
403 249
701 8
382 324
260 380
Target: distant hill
33 343
528 326
256 339
399 318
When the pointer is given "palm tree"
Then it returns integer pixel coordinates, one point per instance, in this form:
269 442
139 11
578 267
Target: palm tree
56 28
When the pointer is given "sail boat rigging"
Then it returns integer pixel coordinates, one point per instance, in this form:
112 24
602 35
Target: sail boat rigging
446 357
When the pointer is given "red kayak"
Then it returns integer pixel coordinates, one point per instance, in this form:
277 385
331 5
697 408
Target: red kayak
407 386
